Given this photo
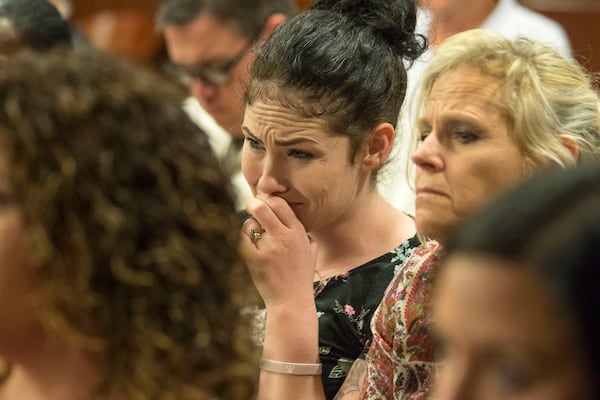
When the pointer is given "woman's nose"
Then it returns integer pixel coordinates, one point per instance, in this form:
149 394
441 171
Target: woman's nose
273 177
428 154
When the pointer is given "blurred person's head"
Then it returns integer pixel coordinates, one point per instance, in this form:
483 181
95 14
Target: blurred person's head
324 94
472 12
35 24
516 304
118 237
492 112
211 45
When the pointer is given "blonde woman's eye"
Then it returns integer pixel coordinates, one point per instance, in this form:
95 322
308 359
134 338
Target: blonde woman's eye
465 136
423 135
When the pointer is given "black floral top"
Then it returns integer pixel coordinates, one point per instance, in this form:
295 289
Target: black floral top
345 305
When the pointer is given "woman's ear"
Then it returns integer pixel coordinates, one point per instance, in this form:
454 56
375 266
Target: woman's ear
378 146
571 145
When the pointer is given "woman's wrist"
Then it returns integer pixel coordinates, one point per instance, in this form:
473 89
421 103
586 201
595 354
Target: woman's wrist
292 334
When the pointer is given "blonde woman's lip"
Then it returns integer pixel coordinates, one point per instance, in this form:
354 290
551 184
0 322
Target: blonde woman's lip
431 191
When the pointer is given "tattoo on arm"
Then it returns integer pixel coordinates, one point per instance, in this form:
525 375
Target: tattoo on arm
355 381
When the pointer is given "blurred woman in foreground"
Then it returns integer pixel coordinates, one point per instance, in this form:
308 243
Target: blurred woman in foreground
516 307
120 276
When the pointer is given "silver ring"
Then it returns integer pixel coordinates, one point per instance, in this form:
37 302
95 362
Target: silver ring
255 234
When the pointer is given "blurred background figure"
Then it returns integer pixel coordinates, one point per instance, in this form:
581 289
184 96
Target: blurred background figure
444 18
516 306
120 275
211 45
35 24
122 27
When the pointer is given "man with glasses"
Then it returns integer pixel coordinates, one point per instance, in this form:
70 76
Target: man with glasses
211 47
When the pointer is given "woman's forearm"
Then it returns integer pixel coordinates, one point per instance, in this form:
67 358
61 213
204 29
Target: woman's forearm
291 336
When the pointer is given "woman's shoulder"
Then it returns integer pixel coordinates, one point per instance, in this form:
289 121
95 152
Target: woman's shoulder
407 247
421 262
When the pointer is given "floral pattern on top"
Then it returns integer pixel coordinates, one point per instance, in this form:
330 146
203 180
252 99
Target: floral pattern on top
400 361
345 305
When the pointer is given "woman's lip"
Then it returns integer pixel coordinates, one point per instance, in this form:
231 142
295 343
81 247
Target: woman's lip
430 191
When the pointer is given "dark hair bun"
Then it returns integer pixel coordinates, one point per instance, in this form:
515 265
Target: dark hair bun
392 20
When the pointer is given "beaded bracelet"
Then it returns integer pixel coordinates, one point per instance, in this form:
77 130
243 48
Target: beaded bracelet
290 368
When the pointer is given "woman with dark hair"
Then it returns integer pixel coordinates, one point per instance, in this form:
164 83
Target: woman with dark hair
516 307
120 276
322 101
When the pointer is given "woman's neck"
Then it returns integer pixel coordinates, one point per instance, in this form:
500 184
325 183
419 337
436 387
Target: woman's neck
369 229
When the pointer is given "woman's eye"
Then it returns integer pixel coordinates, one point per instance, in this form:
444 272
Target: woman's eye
300 154
465 136
423 134
510 378
254 144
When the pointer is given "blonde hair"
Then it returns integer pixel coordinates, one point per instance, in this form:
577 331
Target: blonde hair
546 96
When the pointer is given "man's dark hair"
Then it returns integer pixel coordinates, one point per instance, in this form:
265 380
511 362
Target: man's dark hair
247 17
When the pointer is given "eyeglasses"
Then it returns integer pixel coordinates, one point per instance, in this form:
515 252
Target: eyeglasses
212 75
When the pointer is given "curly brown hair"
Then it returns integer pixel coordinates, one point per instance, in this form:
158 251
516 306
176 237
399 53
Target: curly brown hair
132 223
